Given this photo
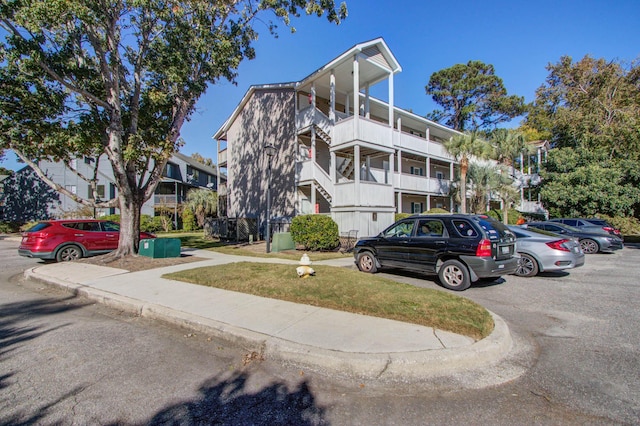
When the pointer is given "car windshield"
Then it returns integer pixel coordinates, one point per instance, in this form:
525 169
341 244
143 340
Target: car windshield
402 229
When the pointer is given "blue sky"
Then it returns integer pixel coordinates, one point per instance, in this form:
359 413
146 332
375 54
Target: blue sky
519 38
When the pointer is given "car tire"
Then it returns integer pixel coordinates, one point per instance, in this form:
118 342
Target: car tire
527 266
367 262
68 253
454 275
589 246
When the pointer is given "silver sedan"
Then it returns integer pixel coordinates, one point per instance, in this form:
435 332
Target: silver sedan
542 251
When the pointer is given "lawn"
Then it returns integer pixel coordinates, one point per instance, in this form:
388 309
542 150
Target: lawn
348 290
197 240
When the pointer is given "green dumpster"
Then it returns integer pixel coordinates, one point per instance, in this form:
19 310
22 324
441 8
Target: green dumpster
159 248
282 241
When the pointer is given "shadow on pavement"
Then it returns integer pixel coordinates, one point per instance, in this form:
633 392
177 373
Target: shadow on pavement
229 402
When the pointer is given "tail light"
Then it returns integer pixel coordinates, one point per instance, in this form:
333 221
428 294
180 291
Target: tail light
484 248
558 245
608 229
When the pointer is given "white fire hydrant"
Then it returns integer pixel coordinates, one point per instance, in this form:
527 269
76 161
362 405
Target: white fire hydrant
305 269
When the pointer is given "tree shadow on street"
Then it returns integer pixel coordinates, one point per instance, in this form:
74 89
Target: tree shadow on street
227 401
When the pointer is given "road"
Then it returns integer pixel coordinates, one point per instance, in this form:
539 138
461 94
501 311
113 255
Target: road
66 360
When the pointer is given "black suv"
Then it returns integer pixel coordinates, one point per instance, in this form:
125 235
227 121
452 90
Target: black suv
459 248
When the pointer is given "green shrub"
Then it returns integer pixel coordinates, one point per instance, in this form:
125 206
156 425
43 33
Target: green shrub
512 215
9 227
188 220
315 232
400 216
147 223
626 225
436 210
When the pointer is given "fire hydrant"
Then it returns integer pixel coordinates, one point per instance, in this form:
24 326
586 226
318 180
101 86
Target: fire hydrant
305 269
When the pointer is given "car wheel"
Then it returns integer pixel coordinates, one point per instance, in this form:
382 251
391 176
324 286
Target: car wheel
367 262
68 253
589 246
527 266
454 275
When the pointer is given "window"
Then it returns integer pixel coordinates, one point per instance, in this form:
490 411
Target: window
401 230
72 189
464 228
99 190
430 228
439 175
171 171
416 207
416 171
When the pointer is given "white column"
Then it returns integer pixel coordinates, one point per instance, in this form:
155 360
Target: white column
332 98
451 175
332 167
366 102
313 146
313 94
391 103
391 169
313 197
399 169
428 167
399 209
356 96
428 202
428 133
356 160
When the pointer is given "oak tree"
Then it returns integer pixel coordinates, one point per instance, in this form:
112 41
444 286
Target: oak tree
117 79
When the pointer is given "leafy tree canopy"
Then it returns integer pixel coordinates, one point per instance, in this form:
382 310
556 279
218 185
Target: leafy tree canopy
583 183
472 97
87 77
591 104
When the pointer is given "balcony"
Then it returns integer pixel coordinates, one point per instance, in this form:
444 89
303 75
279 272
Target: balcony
412 183
367 131
370 194
222 158
167 199
406 141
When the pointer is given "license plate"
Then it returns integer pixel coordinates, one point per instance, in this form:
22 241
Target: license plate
504 249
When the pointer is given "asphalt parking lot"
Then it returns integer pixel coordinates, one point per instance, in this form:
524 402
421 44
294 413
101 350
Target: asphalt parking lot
579 329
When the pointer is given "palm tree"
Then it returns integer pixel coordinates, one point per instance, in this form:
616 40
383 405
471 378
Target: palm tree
203 203
483 179
462 147
507 145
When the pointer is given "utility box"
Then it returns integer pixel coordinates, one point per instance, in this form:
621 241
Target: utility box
159 248
282 241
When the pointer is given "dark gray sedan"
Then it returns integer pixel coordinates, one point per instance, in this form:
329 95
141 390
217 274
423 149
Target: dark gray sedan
542 251
591 242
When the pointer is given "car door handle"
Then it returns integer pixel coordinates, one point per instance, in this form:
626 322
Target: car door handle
440 242
111 235
78 235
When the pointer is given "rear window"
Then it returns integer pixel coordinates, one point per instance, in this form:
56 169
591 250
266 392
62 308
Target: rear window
464 228
495 230
39 227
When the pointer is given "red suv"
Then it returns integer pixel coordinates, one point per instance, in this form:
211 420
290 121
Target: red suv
71 239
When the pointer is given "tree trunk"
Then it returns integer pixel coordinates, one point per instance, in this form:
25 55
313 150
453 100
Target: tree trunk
129 227
505 211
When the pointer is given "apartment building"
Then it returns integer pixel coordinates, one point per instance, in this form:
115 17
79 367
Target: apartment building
338 150
181 174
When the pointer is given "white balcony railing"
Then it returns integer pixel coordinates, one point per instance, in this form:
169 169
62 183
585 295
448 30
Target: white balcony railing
367 131
222 156
370 194
406 182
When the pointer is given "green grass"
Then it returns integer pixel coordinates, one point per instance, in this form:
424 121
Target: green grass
350 291
198 241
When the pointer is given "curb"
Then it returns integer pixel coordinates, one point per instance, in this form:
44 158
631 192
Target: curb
416 368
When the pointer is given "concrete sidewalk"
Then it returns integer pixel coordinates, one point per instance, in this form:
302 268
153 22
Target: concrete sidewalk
331 342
